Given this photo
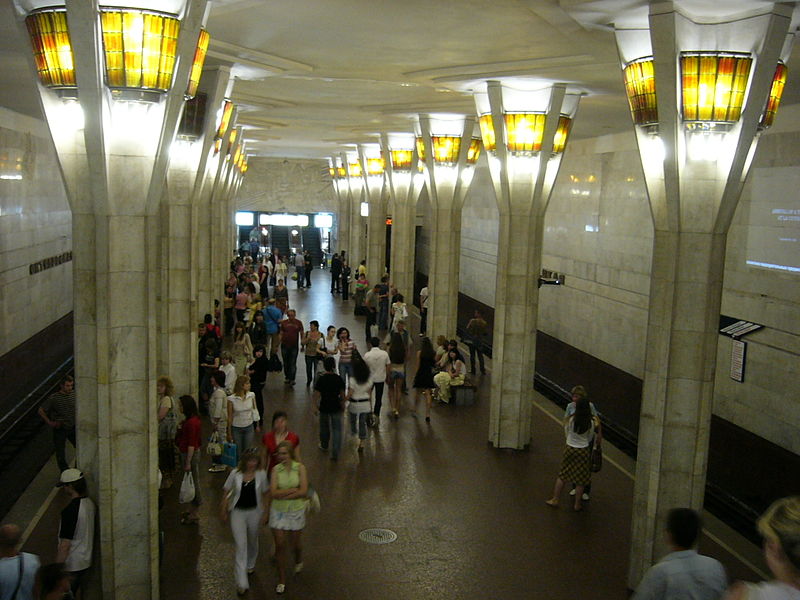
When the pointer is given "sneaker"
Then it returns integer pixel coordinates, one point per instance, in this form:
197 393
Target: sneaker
241 591
280 588
323 448
572 492
298 567
216 469
585 496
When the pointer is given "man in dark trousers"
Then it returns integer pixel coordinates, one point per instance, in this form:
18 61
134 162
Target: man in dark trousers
309 266
58 411
477 329
336 273
345 278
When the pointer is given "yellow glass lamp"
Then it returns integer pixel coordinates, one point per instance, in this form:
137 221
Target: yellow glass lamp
445 149
245 165
375 166
52 48
354 169
232 141
420 149
140 48
225 120
402 159
640 87
341 172
197 64
525 132
713 86
774 100
474 151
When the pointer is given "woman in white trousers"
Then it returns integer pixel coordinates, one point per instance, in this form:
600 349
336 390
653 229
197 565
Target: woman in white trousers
246 495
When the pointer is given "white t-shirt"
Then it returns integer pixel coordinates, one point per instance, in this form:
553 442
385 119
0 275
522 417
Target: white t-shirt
256 286
377 360
578 440
245 412
77 526
423 296
359 391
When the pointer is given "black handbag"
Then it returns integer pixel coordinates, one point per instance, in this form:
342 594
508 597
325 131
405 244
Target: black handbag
597 459
274 363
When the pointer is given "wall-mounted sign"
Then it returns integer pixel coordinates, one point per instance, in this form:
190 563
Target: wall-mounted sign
49 263
738 357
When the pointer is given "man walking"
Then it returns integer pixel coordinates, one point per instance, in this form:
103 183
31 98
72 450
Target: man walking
17 569
330 399
371 302
379 371
336 273
308 266
683 573
58 411
476 338
291 334
299 266
76 530
423 311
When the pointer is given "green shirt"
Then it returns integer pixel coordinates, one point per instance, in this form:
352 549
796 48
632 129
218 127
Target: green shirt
288 478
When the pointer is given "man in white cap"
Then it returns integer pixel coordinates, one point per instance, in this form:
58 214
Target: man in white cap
76 530
17 569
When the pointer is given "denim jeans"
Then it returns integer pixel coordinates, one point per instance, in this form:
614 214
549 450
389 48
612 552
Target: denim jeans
330 425
345 370
242 437
361 419
300 276
289 355
312 362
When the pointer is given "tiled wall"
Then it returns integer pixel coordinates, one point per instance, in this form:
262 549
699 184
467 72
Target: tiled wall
598 231
35 224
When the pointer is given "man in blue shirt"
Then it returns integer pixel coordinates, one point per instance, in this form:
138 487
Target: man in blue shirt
683 574
272 319
17 569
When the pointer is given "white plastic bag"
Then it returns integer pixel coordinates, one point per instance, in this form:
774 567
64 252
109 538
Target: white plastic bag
186 494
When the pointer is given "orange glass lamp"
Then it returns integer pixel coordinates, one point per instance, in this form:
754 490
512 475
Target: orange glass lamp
140 47
474 151
775 94
52 50
198 62
640 87
232 141
245 166
354 169
713 86
402 159
224 122
445 149
524 133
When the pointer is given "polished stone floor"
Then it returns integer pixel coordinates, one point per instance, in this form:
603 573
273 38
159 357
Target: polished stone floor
470 520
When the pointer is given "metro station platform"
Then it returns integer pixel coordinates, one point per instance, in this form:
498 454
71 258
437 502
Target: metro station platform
471 521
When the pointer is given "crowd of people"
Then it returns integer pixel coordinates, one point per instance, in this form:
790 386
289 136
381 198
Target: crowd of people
267 484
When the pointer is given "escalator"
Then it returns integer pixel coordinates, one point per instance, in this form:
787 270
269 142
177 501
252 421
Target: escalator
312 242
280 239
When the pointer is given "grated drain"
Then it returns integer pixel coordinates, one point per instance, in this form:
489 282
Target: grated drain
376 535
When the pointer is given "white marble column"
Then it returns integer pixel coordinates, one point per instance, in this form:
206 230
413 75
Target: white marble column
693 198
114 176
405 185
448 183
376 221
357 245
522 181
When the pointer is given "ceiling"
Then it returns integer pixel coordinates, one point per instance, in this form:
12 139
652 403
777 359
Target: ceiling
315 75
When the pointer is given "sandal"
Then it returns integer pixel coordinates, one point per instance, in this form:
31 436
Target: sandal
552 503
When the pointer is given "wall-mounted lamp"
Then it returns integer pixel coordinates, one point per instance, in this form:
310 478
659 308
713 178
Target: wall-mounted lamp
551 278
224 122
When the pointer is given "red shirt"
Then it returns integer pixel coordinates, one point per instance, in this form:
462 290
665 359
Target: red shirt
189 435
271 444
290 332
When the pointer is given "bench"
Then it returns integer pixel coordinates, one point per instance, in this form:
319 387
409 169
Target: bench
464 395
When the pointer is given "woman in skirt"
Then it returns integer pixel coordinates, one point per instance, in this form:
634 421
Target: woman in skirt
287 514
423 380
580 428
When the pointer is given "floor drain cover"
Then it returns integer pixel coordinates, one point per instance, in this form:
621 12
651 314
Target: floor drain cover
377 536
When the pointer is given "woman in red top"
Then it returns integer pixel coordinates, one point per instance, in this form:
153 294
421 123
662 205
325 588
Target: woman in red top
278 433
189 443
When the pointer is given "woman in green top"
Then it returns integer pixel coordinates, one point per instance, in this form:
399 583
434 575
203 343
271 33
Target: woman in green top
287 514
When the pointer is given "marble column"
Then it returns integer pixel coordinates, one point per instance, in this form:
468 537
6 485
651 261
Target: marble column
215 83
523 182
405 185
370 156
114 176
448 181
357 246
693 198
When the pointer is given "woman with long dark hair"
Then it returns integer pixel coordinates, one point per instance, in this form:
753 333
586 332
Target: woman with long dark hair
423 380
242 350
258 376
580 428
453 373
359 396
189 443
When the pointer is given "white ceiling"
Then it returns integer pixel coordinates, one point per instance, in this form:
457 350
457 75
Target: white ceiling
314 75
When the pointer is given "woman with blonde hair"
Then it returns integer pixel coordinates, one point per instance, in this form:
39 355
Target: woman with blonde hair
780 528
169 417
287 514
243 414
242 350
246 496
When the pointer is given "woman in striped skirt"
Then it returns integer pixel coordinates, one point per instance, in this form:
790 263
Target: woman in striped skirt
579 428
